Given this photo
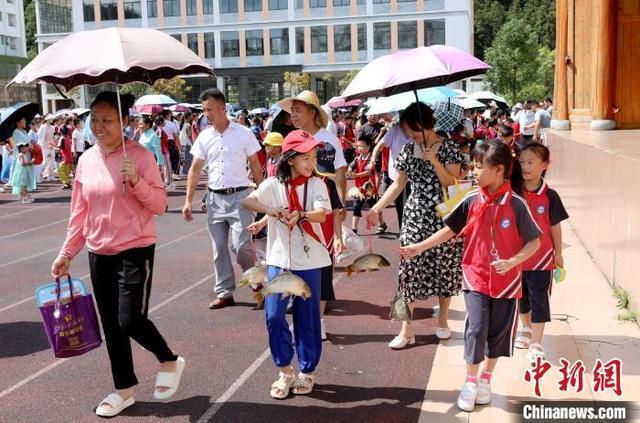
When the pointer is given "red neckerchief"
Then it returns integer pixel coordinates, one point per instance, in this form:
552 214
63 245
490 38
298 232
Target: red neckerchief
294 204
478 213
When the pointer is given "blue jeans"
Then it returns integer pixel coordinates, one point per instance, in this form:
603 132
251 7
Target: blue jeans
188 158
306 323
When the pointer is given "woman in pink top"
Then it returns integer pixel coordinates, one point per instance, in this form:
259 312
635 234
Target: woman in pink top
120 234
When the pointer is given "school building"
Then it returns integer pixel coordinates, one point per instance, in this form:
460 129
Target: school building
252 43
596 138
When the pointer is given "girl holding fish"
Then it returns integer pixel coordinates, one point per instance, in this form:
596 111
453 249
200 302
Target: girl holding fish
297 203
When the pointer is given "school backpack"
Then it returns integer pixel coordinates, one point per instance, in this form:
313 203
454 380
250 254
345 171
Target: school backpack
38 157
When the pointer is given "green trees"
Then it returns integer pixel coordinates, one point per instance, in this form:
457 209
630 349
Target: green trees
517 38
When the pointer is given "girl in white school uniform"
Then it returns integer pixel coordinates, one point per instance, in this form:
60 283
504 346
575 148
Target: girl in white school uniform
500 234
297 203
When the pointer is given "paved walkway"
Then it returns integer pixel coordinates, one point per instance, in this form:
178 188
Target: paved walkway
583 327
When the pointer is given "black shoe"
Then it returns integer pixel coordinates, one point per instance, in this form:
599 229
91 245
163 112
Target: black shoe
381 229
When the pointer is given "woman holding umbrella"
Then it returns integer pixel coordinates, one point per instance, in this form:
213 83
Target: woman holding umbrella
428 165
120 234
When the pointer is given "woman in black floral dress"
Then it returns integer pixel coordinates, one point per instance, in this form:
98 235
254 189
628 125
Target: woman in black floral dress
429 165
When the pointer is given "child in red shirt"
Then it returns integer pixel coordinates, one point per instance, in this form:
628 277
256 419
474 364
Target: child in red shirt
500 234
362 174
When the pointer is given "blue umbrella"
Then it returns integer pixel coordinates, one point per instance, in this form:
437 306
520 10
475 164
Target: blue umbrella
86 131
398 102
13 114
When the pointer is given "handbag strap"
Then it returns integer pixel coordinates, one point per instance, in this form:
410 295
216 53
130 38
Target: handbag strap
59 290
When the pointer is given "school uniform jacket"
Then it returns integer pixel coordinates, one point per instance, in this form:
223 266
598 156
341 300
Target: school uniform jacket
505 227
547 210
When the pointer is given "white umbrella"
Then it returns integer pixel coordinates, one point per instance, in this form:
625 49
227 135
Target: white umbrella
488 96
80 111
259 111
150 99
470 103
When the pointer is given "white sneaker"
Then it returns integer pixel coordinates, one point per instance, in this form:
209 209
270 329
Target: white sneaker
399 342
467 397
483 392
443 333
323 330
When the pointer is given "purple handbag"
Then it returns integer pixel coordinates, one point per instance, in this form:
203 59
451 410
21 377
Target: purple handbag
72 326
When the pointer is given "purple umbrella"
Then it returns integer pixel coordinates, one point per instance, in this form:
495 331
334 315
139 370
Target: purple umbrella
338 102
411 70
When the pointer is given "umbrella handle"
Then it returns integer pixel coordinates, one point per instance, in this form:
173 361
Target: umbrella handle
124 150
424 139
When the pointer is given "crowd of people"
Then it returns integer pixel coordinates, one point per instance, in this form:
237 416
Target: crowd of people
288 173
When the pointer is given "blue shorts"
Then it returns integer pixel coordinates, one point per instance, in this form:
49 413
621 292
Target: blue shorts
536 290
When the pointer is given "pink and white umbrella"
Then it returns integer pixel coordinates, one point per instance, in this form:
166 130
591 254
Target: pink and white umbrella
180 108
338 102
118 55
411 70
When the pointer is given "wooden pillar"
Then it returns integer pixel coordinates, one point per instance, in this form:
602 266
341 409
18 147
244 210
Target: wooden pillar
604 78
560 95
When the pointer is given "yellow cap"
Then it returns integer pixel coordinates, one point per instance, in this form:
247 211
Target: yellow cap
274 139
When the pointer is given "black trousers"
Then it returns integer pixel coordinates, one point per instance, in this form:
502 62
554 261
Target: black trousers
121 285
399 203
174 157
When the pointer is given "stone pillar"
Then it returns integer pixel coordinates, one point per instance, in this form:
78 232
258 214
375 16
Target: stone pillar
560 119
604 79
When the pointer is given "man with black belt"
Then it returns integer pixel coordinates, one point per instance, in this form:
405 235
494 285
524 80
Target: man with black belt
225 148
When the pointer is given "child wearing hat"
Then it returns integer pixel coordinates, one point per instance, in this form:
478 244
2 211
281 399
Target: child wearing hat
273 147
23 176
296 203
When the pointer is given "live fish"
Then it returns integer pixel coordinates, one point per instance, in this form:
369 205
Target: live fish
286 283
367 263
254 276
400 309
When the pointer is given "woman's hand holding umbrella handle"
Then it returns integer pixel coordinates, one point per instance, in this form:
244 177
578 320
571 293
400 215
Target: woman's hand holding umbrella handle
129 170
60 267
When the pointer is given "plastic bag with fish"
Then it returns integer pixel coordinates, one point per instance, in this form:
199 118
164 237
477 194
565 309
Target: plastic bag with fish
287 283
253 276
400 310
354 244
367 263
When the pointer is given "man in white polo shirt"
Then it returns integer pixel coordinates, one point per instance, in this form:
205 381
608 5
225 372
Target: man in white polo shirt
224 148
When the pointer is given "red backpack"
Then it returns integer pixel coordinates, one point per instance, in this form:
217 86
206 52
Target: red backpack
38 157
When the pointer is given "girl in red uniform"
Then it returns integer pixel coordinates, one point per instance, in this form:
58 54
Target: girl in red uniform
500 234
548 211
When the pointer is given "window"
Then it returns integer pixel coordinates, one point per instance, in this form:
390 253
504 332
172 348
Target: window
152 8
407 34
434 32
207 6
191 7
257 89
381 1
406 1
177 37
318 39
171 7
13 43
317 3
299 4
55 16
279 38
254 42
338 3
209 45
278 4
342 37
230 44
88 11
252 5
362 36
228 6
232 90
299 40
192 42
109 10
132 9
382 35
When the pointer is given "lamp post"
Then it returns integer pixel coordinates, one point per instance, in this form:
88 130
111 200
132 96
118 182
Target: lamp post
515 70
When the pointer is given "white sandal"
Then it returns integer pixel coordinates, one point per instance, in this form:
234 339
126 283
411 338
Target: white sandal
535 351
303 384
399 342
169 380
523 342
281 387
117 404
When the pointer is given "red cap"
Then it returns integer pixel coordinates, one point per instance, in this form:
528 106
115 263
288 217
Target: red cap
300 141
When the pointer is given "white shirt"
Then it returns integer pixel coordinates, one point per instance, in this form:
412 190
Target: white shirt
543 117
468 128
226 155
324 136
526 118
77 138
332 128
45 136
272 193
395 139
170 128
185 134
